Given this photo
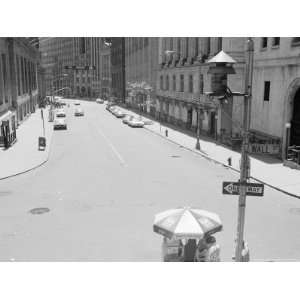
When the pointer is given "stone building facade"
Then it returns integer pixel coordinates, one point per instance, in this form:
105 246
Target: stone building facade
183 81
105 68
141 64
18 85
275 114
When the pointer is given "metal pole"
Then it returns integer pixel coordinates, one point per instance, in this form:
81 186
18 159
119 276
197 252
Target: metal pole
244 172
198 128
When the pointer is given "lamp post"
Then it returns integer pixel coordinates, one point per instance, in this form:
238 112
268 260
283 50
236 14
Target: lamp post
221 66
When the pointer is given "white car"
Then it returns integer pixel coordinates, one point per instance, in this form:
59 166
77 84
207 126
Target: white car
127 118
60 120
119 113
100 101
78 112
134 122
112 109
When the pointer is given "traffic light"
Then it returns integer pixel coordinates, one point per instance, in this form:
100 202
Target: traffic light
73 67
94 67
67 67
87 67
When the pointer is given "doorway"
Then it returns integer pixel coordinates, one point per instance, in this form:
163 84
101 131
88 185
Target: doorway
295 122
189 118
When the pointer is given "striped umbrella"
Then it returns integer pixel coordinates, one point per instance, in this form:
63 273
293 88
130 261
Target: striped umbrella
186 222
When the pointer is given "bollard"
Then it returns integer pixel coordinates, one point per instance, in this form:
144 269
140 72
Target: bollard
166 132
229 161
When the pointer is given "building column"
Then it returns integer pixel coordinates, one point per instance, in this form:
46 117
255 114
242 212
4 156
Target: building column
183 54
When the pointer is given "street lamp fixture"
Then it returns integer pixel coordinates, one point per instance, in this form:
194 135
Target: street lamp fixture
220 66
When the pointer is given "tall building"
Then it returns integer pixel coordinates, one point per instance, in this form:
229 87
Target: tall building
56 53
105 68
141 63
87 58
118 69
18 85
72 65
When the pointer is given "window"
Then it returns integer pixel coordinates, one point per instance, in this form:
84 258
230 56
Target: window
264 42
174 82
167 82
178 45
161 85
1 89
276 42
196 47
82 45
267 91
296 41
201 84
18 75
4 74
219 44
191 84
181 83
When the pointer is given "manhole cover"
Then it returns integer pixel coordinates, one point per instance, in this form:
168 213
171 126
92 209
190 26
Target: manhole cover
295 210
175 156
39 210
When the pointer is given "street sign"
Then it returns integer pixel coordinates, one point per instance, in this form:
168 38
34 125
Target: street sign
233 188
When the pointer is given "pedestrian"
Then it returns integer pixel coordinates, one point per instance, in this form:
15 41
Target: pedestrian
207 250
190 250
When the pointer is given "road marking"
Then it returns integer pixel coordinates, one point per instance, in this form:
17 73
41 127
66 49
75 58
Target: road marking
113 148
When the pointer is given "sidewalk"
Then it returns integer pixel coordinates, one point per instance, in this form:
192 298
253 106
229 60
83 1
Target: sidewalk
24 155
265 169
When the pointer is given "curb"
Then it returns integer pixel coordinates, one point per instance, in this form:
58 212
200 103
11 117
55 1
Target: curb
224 165
32 168
220 163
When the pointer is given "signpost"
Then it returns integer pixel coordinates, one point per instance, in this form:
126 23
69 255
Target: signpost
252 189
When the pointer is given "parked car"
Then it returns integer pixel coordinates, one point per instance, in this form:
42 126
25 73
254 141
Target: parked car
127 118
78 112
77 103
119 113
112 109
99 100
134 122
60 120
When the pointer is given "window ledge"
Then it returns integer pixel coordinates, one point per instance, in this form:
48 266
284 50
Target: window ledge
275 47
264 49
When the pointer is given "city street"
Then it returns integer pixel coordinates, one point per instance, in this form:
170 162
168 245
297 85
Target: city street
105 181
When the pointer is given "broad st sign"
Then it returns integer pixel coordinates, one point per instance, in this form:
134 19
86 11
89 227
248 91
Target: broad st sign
233 188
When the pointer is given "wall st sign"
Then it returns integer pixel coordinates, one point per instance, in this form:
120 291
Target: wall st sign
267 148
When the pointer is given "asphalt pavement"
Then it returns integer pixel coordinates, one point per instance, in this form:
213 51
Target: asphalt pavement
102 185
